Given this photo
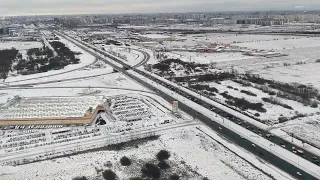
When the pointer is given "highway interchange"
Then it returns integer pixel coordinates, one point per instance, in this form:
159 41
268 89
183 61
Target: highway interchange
259 151
245 143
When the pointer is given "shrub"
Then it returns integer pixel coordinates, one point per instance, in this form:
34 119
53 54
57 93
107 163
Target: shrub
248 93
257 115
314 104
230 87
125 161
174 177
151 170
282 119
163 165
80 178
272 93
243 104
109 175
163 155
317 61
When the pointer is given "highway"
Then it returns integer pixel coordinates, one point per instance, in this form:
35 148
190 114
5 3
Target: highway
231 135
79 87
250 126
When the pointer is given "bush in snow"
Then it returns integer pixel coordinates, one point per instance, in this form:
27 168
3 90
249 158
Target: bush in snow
314 104
109 175
248 93
125 161
151 170
163 155
163 165
174 177
80 178
282 119
257 115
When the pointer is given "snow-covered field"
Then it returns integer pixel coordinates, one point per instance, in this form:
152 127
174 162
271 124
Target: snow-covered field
85 59
104 85
273 111
305 74
234 39
20 45
306 128
190 149
297 42
206 58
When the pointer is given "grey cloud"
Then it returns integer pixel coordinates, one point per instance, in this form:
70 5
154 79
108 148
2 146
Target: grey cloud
28 7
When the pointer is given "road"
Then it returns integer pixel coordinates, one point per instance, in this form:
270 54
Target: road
79 87
252 127
231 135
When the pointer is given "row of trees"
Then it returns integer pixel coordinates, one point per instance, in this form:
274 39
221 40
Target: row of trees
289 91
43 59
64 52
39 60
217 76
7 58
164 66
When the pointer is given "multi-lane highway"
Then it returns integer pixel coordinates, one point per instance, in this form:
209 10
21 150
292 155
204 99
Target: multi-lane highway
260 151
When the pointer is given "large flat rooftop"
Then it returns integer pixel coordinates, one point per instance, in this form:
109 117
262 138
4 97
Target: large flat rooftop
48 107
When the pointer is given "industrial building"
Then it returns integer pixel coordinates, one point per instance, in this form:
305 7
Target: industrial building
51 110
263 21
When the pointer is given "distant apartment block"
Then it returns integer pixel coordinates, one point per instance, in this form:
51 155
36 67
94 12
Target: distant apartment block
263 21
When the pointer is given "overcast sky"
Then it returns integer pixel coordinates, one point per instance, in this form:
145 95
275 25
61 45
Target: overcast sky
30 7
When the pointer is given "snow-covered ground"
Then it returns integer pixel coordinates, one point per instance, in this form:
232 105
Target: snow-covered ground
85 60
273 111
130 55
81 74
306 128
104 85
305 74
206 58
20 45
297 42
234 39
190 150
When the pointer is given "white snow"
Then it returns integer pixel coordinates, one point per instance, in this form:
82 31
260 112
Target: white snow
20 45
198 151
305 74
85 60
298 42
260 141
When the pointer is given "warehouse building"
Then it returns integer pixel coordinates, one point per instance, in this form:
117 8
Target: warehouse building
51 110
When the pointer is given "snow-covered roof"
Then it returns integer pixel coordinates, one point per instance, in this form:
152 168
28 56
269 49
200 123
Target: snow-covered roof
156 36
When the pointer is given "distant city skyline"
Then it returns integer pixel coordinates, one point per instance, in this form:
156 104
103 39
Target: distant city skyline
63 7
